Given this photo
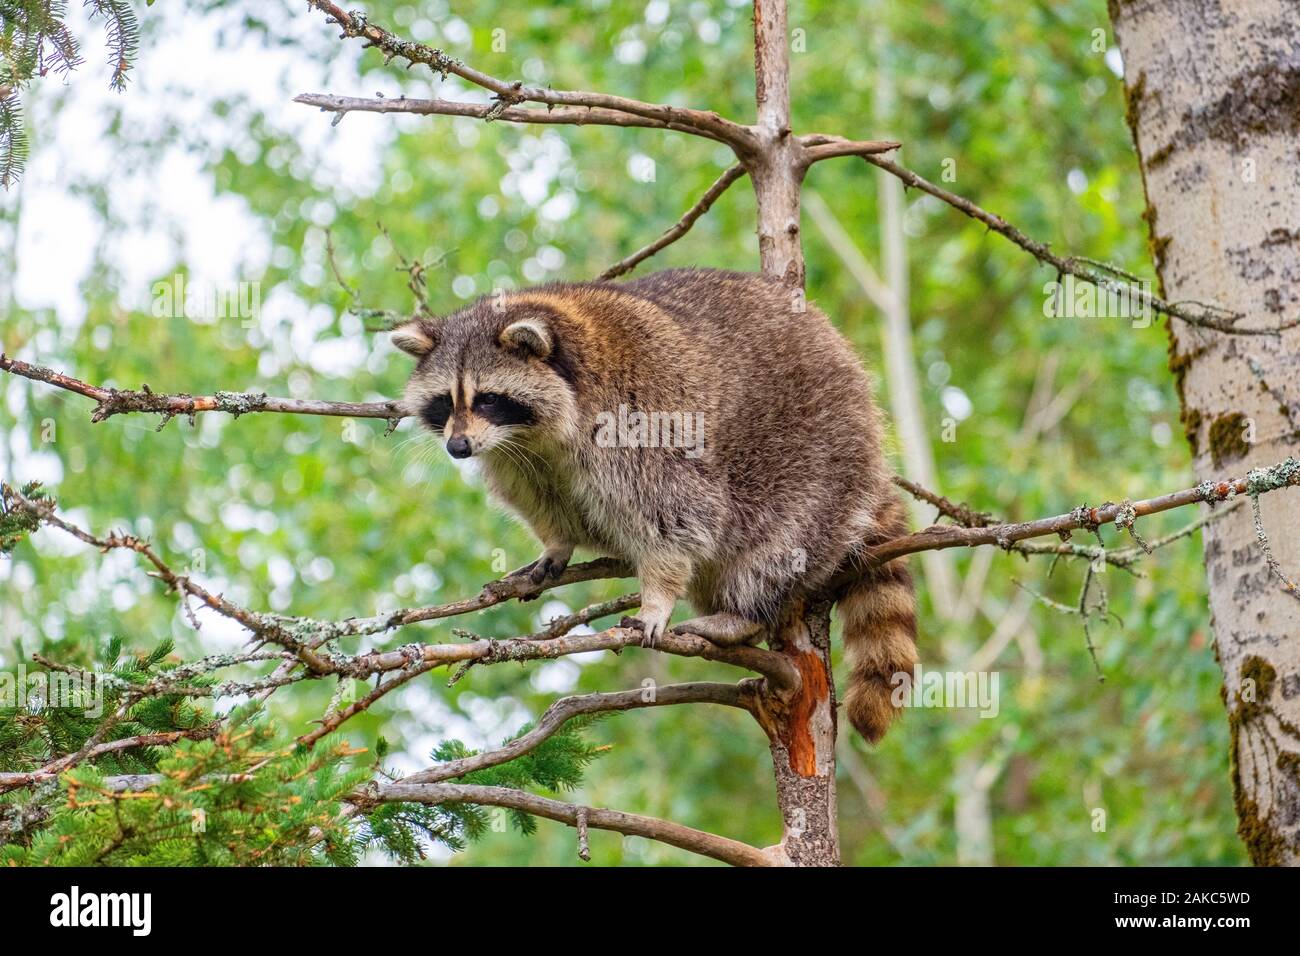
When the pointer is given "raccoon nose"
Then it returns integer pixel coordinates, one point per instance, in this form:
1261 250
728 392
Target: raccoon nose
458 447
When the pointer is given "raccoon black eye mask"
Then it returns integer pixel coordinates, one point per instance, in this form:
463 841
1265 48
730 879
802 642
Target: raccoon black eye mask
502 410
497 409
782 482
436 412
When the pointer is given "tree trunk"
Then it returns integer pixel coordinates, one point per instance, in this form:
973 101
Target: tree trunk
801 728
801 733
777 178
1213 92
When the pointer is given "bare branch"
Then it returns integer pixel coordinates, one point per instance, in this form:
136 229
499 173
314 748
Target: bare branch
493 593
1208 317
818 147
776 668
772 65
1125 558
304 636
508 94
113 401
44 511
1284 474
740 695
683 225
963 514
567 622
331 723
629 824
552 116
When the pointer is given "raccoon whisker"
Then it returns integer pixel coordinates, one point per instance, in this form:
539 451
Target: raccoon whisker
517 454
412 446
520 454
408 441
420 441
427 458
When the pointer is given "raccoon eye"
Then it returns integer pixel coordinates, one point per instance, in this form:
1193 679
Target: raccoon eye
503 410
436 412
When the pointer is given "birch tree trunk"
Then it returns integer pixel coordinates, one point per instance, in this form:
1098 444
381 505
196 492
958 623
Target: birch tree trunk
1213 92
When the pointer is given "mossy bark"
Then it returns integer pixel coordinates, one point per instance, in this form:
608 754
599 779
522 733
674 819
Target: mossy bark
1213 102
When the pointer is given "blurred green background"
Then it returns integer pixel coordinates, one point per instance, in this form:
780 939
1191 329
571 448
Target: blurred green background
205 167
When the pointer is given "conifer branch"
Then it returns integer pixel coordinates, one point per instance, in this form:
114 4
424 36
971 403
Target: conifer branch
35 41
51 771
123 31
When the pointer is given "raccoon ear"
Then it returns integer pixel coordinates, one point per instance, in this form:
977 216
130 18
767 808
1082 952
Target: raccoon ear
528 335
415 337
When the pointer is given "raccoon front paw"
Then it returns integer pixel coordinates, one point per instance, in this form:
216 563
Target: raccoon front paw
652 627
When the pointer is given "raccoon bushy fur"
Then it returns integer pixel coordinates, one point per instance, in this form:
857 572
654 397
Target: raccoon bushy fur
703 425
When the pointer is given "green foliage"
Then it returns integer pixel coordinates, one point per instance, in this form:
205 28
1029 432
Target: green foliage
13 141
35 41
16 523
33 733
557 764
123 36
242 798
243 795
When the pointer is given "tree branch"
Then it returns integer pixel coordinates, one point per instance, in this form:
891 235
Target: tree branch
740 695
817 147
332 722
552 116
629 824
963 514
305 636
113 401
1283 474
682 227
51 771
702 122
1208 317
782 675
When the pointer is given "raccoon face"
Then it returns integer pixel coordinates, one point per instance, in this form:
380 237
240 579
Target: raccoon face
485 380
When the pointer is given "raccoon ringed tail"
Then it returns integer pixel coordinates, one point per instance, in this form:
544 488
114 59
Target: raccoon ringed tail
878 617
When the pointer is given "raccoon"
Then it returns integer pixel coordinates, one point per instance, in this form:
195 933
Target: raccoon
705 426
